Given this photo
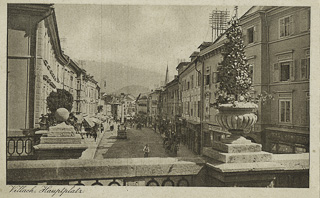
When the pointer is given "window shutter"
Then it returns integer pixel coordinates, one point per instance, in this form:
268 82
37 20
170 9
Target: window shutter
291 25
281 27
308 68
276 72
304 20
255 34
244 37
251 72
292 70
303 67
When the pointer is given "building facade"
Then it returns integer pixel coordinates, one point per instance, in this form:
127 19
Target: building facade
277 47
190 84
153 109
277 41
36 65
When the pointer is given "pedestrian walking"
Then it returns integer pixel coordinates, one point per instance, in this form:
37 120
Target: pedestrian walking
146 150
102 128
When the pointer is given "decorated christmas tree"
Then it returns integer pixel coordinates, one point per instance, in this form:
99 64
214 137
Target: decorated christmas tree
234 74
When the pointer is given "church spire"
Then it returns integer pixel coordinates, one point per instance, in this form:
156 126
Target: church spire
167 76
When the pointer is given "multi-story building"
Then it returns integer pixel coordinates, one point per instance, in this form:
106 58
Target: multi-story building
92 95
189 79
172 105
129 106
278 44
153 106
141 104
209 58
277 41
36 65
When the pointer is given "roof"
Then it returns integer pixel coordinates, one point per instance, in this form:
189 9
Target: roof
255 9
182 64
205 44
216 44
194 54
192 62
174 81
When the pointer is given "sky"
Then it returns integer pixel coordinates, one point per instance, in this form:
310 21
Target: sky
144 36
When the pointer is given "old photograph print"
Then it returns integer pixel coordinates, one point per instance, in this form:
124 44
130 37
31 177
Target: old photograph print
157 95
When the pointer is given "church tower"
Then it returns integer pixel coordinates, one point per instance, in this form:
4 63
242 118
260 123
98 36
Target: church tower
167 77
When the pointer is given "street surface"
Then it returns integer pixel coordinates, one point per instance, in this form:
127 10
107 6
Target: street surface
110 147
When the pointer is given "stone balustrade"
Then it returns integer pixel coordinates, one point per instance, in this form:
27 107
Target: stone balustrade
285 170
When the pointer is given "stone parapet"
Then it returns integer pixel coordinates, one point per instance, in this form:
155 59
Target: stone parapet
286 170
76 169
238 157
237 148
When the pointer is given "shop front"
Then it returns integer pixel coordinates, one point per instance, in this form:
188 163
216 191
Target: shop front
193 136
281 140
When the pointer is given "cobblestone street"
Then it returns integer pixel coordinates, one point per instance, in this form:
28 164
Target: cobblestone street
110 147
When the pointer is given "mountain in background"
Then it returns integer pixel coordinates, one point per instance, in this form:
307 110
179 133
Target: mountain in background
134 90
112 76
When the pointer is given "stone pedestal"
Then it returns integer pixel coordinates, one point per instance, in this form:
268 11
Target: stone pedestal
239 162
60 142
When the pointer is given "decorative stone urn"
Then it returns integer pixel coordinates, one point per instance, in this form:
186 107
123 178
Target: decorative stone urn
60 142
236 160
236 148
236 118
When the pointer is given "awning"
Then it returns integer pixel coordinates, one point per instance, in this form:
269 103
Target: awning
89 121
79 118
96 120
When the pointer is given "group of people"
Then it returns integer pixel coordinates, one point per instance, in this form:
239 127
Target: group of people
171 145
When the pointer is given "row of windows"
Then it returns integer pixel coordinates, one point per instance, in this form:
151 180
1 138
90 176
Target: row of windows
191 108
286 27
194 81
288 70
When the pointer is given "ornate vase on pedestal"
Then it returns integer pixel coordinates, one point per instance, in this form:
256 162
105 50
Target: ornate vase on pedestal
60 142
236 148
238 161
236 119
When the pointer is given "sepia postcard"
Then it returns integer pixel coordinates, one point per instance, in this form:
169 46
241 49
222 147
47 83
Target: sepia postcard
129 98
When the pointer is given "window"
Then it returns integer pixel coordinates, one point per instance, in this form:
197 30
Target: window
188 85
18 73
191 81
251 70
286 26
308 108
199 79
207 79
305 68
285 110
215 77
191 111
284 71
250 33
199 109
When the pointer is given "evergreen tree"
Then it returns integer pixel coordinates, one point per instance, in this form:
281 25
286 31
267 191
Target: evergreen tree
234 75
